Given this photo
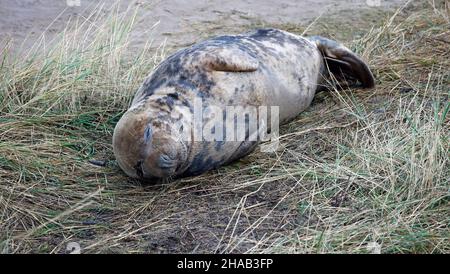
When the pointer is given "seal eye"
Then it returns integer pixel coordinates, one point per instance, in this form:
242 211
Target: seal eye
147 134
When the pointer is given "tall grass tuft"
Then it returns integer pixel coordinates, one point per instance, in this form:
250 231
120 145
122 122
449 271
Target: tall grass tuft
59 102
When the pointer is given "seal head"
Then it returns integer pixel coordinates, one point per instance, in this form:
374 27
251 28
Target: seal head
146 148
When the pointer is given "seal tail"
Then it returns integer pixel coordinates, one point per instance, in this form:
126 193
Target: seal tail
341 60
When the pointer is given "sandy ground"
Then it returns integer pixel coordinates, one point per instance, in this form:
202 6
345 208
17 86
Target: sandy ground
181 23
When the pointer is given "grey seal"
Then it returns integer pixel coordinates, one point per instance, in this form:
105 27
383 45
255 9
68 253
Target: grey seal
265 67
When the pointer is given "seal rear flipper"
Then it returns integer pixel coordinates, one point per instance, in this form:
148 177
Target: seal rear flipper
229 59
342 60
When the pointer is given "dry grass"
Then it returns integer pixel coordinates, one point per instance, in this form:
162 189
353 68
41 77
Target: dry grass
360 170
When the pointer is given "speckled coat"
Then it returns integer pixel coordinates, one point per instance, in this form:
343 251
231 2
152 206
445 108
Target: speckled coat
266 67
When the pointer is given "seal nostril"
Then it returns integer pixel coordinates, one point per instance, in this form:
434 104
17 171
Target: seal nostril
166 162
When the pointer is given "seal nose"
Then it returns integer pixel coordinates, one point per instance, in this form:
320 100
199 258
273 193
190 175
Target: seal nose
162 157
165 162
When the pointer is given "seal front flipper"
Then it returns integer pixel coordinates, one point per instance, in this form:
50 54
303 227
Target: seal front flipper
229 59
342 60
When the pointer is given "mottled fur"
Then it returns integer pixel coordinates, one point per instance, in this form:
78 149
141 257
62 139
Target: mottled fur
266 67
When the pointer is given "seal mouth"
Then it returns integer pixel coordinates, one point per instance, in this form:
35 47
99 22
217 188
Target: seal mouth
138 168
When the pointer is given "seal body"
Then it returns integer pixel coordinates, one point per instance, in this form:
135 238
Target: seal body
266 67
